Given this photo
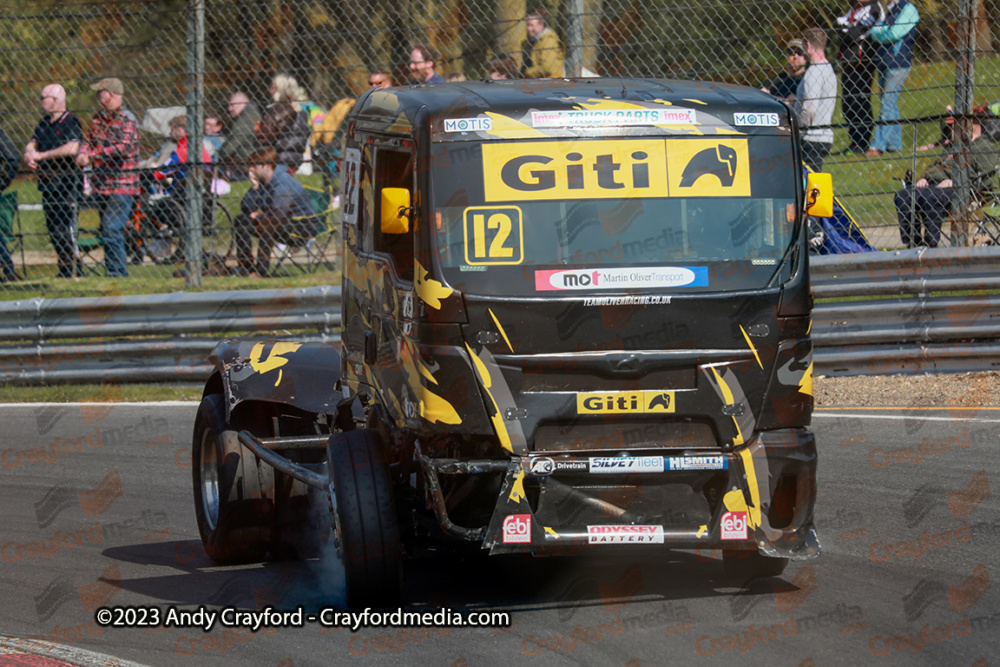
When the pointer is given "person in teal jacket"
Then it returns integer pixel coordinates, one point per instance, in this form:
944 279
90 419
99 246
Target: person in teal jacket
895 35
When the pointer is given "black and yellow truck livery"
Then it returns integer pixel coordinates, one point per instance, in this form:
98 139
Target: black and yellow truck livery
575 315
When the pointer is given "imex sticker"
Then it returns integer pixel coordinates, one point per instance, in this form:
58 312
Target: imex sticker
624 402
621 279
613 117
494 235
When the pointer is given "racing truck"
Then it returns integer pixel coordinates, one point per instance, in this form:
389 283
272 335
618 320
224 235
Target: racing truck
575 316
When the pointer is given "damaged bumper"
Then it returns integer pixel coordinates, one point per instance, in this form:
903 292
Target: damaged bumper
757 497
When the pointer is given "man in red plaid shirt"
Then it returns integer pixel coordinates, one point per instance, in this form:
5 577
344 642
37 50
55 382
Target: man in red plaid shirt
112 149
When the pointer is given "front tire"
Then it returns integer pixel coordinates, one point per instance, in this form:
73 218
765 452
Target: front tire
232 511
367 532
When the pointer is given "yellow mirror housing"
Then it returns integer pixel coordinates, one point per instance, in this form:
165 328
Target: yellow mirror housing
395 213
819 195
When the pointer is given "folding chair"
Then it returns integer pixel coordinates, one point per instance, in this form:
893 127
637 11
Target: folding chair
89 242
310 253
10 226
984 213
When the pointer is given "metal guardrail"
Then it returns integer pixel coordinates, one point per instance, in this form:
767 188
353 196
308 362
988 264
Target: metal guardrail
909 321
82 327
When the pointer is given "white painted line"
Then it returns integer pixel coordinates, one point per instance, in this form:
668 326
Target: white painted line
919 417
69 654
97 404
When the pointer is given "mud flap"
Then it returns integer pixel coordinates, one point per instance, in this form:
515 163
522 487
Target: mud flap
303 375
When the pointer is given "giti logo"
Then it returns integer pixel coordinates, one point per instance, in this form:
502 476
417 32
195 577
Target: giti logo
616 169
719 161
623 402
538 170
719 169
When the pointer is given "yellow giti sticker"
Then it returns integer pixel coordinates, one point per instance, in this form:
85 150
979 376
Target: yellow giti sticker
536 170
494 235
616 169
623 402
708 168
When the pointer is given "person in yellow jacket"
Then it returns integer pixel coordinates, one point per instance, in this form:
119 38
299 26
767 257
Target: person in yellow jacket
541 53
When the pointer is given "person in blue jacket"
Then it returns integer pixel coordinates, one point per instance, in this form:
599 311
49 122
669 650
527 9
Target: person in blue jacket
276 209
895 35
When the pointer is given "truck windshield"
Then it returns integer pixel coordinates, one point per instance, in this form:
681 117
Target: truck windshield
602 216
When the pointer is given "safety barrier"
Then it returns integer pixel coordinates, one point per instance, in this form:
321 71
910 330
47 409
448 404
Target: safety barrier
913 311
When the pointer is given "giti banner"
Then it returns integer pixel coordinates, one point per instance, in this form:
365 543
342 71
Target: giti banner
616 169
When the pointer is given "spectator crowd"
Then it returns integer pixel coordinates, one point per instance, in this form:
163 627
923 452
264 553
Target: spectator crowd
267 145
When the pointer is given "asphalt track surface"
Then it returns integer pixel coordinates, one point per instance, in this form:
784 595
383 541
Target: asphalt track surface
97 510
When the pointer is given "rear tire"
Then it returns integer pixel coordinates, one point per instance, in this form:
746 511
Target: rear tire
367 532
234 517
749 564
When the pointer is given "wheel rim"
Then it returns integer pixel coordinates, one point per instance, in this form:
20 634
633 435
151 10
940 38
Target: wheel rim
209 479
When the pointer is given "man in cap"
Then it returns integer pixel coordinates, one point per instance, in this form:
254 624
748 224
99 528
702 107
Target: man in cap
112 149
785 84
815 101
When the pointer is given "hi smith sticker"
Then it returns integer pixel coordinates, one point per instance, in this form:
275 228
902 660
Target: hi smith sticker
621 279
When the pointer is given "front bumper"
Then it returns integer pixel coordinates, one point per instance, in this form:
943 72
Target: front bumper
759 497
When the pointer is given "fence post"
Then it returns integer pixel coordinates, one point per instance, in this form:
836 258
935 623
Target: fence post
574 40
195 123
965 71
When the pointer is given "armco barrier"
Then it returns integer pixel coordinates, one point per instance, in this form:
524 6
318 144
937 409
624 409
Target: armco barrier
925 311
917 315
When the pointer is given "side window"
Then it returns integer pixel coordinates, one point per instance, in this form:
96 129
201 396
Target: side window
394 169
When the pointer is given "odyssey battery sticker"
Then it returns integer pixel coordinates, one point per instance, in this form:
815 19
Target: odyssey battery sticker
620 279
494 235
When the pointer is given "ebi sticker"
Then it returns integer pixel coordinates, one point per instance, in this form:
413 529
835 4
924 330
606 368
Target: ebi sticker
594 279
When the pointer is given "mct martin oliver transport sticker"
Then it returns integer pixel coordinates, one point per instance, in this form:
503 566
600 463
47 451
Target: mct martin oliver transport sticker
634 278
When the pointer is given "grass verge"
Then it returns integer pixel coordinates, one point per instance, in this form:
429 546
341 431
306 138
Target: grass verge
86 393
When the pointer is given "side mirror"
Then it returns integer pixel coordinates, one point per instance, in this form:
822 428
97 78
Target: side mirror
819 195
395 210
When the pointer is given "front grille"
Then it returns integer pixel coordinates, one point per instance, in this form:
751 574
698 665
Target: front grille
554 380
584 436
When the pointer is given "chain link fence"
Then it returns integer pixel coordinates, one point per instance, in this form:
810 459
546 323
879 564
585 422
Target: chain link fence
188 57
